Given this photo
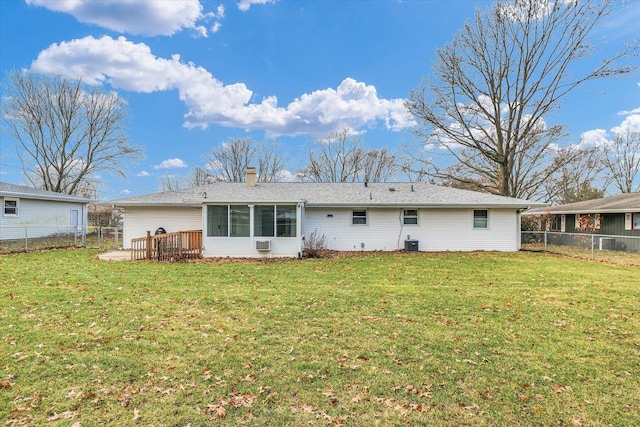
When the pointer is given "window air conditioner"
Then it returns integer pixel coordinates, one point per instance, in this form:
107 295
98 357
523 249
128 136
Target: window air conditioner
263 245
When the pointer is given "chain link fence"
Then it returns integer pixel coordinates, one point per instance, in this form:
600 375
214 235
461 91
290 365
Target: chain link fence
24 239
585 245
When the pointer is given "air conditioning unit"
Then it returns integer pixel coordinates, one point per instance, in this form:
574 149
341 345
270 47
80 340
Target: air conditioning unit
607 244
263 245
411 246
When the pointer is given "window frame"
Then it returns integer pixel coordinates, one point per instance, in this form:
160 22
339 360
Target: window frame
484 219
240 220
15 208
260 214
406 217
286 226
223 227
635 219
358 215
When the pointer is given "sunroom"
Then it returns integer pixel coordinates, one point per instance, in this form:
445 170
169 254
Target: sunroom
252 230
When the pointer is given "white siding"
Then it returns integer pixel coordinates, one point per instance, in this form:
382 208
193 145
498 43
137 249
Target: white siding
139 220
39 218
437 230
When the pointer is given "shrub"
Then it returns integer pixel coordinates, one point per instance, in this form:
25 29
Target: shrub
315 246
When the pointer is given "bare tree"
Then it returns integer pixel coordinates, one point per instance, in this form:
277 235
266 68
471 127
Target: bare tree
622 160
197 177
230 160
341 157
170 183
66 133
577 175
494 84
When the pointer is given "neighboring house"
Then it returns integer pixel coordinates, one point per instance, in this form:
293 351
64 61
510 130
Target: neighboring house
31 212
615 215
609 216
274 219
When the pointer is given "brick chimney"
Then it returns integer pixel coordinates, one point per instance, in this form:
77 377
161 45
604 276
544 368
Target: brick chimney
251 176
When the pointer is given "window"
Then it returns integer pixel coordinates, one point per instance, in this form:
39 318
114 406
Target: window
286 221
636 221
10 207
588 222
217 221
268 221
359 218
410 216
481 218
264 220
239 216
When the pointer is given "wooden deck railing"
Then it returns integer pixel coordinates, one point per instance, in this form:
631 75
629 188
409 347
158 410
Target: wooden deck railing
167 247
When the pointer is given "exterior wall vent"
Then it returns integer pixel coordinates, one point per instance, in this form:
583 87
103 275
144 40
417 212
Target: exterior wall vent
263 245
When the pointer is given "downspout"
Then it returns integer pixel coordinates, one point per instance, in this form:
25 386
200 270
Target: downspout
300 228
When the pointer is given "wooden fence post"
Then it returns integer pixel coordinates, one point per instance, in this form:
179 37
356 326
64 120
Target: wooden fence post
148 245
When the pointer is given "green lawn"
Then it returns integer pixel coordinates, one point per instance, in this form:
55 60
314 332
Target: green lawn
369 339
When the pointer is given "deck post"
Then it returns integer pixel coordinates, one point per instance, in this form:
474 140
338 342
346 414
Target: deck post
148 256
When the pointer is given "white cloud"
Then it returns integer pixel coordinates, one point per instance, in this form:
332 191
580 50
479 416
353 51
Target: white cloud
131 66
627 112
594 138
125 192
140 17
171 164
216 27
629 124
245 5
602 138
142 174
286 176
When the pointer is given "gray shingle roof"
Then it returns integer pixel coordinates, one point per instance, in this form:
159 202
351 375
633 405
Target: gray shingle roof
22 191
627 202
327 194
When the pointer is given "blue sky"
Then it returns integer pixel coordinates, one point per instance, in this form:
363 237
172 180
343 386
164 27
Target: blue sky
198 72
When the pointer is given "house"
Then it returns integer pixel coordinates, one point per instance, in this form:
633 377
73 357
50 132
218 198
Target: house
273 219
31 212
614 215
610 216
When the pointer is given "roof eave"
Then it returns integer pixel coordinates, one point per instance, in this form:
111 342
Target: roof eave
61 197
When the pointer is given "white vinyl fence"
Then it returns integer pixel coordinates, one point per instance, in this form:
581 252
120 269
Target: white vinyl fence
24 239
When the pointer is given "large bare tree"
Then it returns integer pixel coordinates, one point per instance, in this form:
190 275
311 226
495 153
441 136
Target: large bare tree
494 85
229 161
622 161
341 157
66 133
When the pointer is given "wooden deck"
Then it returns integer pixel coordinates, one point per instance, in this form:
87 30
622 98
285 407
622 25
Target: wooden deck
167 247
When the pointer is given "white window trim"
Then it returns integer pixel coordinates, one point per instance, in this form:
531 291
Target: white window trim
4 206
404 217
366 217
473 219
